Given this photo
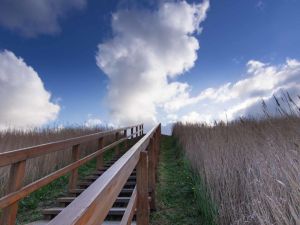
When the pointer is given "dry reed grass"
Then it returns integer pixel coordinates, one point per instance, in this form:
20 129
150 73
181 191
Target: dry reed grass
251 167
40 166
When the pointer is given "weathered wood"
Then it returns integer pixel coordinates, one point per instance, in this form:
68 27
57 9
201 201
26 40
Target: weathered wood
131 133
74 173
92 206
117 148
142 214
26 190
130 210
100 162
152 174
126 142
16 177
10 157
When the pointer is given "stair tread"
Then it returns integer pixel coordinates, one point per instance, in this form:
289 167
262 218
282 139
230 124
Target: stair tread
44 222
79 190
56 210
70 199
90 182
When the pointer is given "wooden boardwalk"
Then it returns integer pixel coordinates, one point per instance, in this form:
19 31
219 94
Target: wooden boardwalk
122 191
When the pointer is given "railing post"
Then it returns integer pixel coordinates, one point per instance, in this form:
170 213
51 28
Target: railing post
16 177
131 139
152 173
142 129
74 173
117 148
156 141
126 142
137 130
142 215
100 162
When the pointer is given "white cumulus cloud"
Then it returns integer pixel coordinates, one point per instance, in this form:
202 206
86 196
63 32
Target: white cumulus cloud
93 122
24 102
33 17
244 97
148 49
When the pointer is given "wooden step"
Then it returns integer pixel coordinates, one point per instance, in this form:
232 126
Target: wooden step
88 183
100 172
67 200
80 190
93 177
44 222
40 222
116 211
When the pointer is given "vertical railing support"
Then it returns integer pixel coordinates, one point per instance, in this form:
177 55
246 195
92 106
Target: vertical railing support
16 177
117 148
100 162
137 130
74 173
152 173
142 215
126 142
131 139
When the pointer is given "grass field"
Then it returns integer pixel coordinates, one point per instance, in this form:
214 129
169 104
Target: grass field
250 168
180 196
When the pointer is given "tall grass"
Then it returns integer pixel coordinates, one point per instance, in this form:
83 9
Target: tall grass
251 167
40 166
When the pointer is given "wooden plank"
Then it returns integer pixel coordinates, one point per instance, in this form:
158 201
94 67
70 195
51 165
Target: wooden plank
126 142
100 162
130 209
16 178
92 206
10 157
26 190
74 173
152 174
142 214
117 148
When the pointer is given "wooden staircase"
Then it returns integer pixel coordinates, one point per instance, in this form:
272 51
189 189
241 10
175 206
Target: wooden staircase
122 191
115 213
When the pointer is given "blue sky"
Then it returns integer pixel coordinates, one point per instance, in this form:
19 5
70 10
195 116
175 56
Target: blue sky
236 36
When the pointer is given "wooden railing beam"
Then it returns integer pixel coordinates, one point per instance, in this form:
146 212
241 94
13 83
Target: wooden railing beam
126 142
117 148
10 157
16 177
26 190
152 173
142 214
74 173
100 162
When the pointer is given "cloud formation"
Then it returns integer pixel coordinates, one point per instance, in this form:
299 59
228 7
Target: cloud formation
33 17
24 102
244 97
93 122
148 49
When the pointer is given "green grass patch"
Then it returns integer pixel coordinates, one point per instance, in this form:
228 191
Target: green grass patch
181 197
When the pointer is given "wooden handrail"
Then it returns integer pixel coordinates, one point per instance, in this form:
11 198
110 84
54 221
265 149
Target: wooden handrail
92 205
10 157
17 160
26 190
